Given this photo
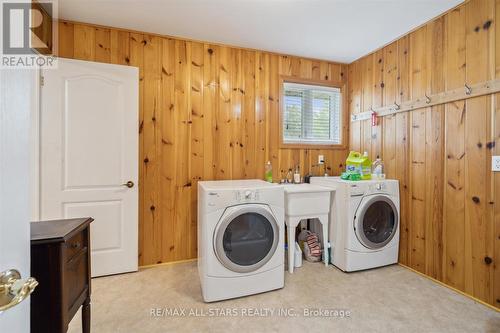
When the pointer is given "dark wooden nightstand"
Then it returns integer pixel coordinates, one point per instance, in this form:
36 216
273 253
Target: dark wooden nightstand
60 261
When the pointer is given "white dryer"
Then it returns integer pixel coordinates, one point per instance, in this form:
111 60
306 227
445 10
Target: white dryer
240 238
364 222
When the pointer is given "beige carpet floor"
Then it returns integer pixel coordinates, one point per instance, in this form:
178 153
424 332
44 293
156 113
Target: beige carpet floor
389 299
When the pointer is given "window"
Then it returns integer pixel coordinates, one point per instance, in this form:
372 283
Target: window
311 114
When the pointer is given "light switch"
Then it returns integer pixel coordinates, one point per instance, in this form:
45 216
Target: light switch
321 159
495 163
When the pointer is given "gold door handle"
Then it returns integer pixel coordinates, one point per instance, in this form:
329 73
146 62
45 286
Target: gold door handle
13 290
129 184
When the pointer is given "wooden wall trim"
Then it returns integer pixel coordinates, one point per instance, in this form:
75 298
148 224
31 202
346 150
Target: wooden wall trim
452 288
177 262
459 94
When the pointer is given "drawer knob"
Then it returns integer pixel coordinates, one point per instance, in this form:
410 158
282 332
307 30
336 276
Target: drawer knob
75 245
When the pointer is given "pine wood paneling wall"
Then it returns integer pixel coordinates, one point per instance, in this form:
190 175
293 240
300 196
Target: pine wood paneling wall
206 112
450 198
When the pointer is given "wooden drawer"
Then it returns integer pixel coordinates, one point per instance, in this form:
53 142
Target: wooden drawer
74 245
76 277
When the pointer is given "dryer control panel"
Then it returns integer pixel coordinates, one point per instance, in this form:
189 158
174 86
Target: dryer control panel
222 199
218 195
246 195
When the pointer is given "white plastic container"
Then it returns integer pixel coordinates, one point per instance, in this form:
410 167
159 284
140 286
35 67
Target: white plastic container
298 256
296 175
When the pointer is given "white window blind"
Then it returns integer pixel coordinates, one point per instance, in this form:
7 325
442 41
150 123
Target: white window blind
311 114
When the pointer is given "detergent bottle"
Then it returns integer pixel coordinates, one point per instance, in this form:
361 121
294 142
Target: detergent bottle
268 176
358 167
366 167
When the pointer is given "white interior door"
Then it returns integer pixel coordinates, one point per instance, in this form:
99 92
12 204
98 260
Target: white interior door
89 150
16 102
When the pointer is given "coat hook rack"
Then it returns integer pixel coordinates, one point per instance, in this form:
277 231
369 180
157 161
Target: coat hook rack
468 90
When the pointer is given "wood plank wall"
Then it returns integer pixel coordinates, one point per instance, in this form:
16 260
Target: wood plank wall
206 112
450 199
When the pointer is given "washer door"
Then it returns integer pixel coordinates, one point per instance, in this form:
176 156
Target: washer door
246 238
376 221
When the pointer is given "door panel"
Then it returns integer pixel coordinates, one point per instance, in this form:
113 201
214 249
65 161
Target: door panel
17 102
103 115
107 232
89 149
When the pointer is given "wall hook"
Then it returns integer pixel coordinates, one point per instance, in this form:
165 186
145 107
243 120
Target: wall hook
397 106
468 90
427 99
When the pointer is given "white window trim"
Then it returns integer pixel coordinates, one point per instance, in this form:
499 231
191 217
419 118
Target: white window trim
313 142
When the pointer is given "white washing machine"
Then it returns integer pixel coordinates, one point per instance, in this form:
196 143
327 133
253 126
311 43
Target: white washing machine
364 222
240 238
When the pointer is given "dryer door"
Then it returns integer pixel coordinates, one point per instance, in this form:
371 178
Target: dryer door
376 221
246 237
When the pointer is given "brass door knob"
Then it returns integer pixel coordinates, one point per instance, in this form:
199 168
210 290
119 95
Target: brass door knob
129 184
13 290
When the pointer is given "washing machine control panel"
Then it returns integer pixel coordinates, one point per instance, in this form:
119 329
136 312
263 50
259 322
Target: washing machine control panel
363 189
378 187
357 191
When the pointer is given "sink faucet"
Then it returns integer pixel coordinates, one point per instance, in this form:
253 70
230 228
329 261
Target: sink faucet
325 173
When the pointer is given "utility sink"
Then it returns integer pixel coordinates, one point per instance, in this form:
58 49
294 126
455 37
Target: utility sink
306 199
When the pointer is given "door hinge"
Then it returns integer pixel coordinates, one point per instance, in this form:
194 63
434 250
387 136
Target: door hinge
42 80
